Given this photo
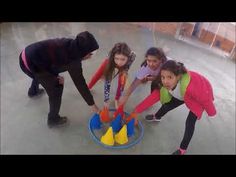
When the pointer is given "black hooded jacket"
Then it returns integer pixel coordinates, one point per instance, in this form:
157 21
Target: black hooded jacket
59 55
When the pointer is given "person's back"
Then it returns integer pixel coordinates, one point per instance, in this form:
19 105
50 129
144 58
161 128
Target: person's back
53 55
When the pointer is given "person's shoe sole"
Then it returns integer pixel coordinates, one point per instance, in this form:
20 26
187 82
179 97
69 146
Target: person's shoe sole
40 93
152 120
59 125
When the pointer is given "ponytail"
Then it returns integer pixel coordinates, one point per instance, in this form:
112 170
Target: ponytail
181 68
175 67
157 52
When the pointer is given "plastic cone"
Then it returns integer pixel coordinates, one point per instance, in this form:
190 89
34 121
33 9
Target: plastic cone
104 114
122 137
116 124
130 127
108 138
131 116
119 111
95 121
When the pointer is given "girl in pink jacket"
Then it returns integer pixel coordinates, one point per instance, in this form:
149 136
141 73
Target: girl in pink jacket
176 86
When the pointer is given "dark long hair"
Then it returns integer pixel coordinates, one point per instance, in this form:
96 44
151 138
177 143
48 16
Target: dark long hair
173 66
119 48
157 52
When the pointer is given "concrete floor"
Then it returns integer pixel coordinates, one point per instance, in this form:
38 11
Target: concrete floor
23 120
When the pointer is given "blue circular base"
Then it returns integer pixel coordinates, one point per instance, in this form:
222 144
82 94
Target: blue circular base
127 145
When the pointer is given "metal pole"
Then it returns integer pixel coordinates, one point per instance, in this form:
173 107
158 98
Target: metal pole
201 29
193 29
153 34
232 53
178 30
215 35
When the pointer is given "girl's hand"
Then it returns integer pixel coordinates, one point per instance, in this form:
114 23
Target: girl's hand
95 109
116 104
60 79
148 78
122 100
144 80
151 78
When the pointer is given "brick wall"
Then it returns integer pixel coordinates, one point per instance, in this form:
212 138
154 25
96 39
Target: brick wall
206 36
186 29
167 28
223 43
144 24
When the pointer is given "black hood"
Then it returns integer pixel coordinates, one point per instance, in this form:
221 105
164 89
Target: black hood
85 43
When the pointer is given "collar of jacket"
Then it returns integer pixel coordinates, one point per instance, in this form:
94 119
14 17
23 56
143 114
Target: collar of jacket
165 96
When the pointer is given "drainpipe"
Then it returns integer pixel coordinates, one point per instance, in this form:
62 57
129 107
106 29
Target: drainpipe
153 34
232 53
178 30
215 35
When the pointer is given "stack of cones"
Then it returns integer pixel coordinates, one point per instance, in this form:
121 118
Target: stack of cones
104 114
108 138
95 122
120 111
116 124
131 116
130 127
122 137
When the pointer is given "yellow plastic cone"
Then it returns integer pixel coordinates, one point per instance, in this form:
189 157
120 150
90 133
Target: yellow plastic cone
108 138
122 137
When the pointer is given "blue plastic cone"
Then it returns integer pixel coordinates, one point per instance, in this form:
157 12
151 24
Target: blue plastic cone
96 122
116 124
130 127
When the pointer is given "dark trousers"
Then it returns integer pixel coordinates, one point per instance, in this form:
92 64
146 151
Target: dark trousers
189 124
34 84
54 91
51 85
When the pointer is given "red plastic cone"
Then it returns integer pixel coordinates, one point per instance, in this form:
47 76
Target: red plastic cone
104 115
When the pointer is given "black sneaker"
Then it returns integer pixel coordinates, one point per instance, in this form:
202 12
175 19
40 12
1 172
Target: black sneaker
38 93
152 118
177 152
57 122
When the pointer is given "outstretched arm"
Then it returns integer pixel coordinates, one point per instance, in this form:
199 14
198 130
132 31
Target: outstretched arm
76 73
148 101
98 74
107 86
121 85
136 82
